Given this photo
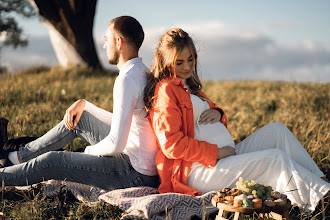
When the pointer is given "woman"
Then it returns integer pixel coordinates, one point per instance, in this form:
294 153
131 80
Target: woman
196 152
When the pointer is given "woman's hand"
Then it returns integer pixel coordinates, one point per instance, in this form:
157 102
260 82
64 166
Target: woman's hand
225 152
210 116
73 114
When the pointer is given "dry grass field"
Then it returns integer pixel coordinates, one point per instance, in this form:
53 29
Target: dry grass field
36 99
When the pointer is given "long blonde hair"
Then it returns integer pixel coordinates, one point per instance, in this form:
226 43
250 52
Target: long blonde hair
168 48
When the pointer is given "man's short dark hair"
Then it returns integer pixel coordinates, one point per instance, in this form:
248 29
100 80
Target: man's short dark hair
130 29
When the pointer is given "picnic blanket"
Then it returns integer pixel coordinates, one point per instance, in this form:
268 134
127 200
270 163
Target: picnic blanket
137 202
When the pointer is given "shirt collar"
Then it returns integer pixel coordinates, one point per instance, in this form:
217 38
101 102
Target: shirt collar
130 62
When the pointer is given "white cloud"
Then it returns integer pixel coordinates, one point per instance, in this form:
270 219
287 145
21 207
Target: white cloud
224 53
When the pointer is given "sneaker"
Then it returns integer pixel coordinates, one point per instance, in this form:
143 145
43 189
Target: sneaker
3 131
15 143
3 139
4 161
10 146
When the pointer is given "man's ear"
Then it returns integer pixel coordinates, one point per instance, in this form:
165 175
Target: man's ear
119 42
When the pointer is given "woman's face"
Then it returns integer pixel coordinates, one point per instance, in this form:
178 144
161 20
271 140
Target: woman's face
184 64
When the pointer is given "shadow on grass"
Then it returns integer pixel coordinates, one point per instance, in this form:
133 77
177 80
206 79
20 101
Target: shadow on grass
32 204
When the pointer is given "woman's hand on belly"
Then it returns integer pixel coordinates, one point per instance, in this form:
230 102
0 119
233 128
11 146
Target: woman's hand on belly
209 116
225 152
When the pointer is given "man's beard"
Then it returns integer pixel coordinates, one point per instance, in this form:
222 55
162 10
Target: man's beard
115 59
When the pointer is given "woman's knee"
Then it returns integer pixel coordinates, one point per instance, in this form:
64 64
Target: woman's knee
276 128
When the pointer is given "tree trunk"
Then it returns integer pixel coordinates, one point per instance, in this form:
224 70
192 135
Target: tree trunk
70 24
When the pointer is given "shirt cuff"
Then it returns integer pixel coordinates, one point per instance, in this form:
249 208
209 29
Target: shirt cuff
87 105
213 154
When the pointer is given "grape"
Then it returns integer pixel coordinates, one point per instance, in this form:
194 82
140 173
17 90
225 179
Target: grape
250 187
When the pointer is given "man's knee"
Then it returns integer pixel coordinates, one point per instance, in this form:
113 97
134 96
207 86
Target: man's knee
83 118
50 157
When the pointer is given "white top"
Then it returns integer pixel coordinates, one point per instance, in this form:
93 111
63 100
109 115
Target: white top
215 133
130 132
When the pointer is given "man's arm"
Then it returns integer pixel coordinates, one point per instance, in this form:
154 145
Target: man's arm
101 114
73 114
125 96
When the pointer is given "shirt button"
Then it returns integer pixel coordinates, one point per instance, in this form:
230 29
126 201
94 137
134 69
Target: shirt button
209 165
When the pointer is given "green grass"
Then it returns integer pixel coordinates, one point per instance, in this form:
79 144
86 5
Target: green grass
35 100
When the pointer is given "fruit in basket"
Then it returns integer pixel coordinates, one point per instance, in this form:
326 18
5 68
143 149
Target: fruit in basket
257 203
269 202
234 192
250 197
225 190
280 202
237 202
241 197
276 195
247 203
221 194
218 199
250 187
229 198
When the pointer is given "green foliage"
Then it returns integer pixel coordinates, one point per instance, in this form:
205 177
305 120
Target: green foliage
35 100
8 25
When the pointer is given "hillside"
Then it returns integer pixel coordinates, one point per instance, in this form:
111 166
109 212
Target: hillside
35 100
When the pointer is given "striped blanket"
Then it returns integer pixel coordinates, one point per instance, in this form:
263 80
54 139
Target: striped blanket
137 202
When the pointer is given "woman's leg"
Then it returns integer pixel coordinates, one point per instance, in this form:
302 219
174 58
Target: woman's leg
110 173
90 129
278 136
271 167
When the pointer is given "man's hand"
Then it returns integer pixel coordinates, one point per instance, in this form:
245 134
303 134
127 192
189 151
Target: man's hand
225 152
73 114
210 116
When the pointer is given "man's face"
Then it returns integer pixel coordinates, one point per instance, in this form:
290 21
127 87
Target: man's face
110 46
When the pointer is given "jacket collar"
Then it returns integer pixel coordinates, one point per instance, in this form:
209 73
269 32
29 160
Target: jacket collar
176 81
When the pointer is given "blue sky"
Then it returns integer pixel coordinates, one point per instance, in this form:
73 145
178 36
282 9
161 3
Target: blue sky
237 40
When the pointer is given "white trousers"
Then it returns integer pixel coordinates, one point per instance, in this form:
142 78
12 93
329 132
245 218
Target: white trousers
272 156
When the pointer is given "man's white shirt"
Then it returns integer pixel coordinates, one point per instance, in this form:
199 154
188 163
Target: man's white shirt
130 132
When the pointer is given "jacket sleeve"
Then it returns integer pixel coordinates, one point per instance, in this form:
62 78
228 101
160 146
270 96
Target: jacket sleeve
168 123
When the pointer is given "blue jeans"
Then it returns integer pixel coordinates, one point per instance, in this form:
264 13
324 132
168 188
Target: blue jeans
42 162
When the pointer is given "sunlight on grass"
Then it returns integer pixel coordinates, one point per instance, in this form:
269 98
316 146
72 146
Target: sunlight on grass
35 100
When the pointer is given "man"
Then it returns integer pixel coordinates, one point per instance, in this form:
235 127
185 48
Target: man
122 146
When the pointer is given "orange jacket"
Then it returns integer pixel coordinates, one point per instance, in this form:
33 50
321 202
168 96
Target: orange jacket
172 119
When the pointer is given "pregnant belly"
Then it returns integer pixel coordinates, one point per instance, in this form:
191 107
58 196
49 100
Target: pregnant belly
215 133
